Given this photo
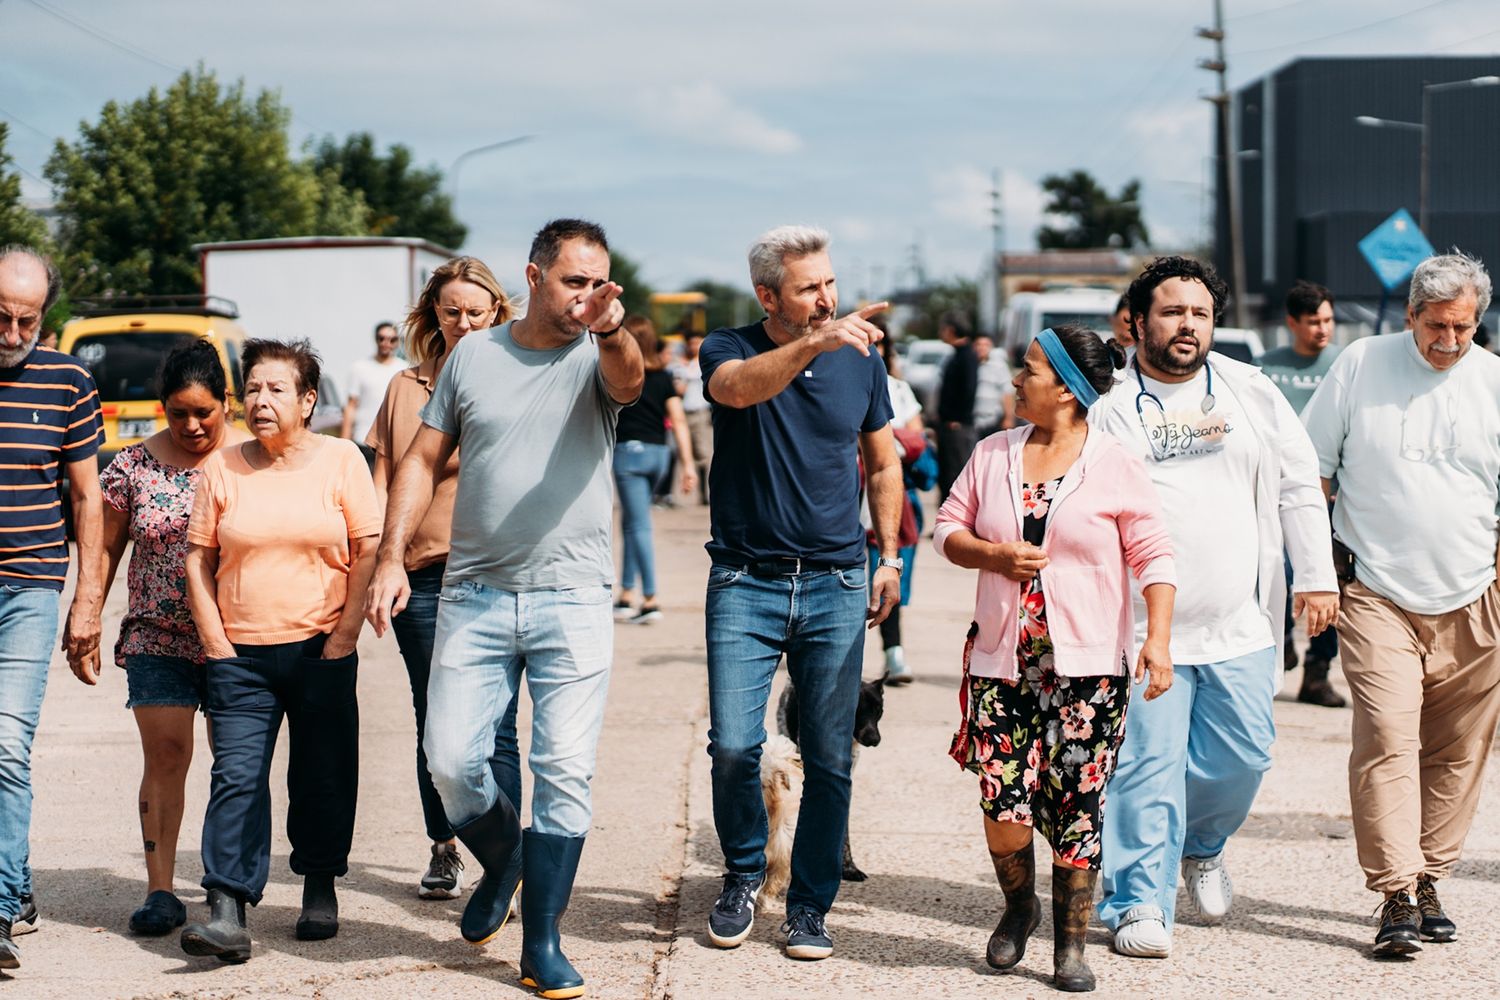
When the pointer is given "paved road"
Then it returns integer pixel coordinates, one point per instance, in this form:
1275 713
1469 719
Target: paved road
1300 928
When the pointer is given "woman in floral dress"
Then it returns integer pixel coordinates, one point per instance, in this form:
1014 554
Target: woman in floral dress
1056 519
148 494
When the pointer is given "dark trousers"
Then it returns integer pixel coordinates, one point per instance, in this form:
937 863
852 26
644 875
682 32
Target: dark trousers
415 628
955 445
248 694
1323 646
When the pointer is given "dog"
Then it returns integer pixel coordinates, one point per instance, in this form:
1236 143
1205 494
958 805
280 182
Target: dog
781 782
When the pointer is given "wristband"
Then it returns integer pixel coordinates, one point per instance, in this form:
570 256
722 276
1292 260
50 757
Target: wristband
606 334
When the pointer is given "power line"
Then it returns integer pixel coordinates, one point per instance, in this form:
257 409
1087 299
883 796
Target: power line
1467 41
1341 34
1267 10
101 35
26 125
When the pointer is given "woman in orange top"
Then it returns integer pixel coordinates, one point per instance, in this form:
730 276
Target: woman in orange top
283 534
461 296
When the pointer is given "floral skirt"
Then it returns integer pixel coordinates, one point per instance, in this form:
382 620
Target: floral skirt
1043 745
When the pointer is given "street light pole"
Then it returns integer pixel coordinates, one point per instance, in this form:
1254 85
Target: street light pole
466 154
1228 160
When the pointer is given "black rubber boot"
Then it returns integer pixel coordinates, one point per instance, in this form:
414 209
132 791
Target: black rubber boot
1072 905
1315 687
1017 876
319 920
224 935
551 865
495 841
161 914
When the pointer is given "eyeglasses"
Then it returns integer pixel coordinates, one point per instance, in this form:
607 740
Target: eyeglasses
25 323
452 314
1420 444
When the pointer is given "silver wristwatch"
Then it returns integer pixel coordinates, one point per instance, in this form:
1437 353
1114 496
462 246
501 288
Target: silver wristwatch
884 562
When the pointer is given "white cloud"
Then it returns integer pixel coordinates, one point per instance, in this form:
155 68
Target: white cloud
703 111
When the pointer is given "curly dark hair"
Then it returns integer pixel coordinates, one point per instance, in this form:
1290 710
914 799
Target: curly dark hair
1159 270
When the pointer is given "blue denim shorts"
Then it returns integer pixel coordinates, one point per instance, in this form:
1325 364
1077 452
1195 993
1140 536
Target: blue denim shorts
164 681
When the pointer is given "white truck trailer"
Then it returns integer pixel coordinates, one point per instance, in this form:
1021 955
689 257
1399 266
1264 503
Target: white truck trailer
330 289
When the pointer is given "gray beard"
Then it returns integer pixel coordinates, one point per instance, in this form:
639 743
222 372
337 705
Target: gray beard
11 357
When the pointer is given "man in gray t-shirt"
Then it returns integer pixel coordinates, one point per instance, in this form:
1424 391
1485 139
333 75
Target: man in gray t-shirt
532 407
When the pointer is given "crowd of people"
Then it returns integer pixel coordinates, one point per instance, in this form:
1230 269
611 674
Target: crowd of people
1146 518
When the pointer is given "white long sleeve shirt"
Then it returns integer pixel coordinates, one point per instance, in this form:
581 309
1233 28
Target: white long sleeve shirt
1416 453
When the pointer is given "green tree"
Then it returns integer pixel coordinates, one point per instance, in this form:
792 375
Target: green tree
727 305
931 302
627 274
18 224
403 201
198 163
1098 220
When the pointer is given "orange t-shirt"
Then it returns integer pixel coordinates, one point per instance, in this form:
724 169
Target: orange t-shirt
283 539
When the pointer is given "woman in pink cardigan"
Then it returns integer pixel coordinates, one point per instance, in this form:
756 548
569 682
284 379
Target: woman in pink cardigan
1056 519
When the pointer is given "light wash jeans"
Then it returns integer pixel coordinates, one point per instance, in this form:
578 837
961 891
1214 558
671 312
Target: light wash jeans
1188 772
817 620
28 629
638 468
486 637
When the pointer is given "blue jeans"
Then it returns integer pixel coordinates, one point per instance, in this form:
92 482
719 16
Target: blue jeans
817 619
28 628
1188 772
486 637
248 695
638 468
415 629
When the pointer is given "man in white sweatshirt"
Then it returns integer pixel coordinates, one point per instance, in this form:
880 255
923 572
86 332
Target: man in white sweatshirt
1409 424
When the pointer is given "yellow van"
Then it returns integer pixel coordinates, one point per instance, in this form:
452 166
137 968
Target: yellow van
122 342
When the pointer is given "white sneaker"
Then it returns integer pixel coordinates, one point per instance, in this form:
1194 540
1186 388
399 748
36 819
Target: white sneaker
1142 933
1208 886
896 670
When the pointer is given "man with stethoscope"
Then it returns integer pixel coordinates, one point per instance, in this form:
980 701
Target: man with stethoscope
1238 478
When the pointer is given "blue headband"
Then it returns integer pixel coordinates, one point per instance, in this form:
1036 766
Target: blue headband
1067 371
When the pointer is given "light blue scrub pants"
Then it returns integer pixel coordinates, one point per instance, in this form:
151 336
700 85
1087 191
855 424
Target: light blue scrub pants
1188 772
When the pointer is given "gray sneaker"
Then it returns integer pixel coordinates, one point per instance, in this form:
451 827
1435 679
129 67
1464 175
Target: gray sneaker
806 935
445 874
26 920
733 915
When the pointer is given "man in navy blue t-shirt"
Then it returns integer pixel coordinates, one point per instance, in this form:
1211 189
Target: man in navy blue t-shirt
798 399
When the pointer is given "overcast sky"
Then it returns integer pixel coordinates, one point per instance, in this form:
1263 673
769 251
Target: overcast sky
686 129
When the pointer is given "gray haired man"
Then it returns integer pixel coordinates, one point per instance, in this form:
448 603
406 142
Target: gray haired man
1410 426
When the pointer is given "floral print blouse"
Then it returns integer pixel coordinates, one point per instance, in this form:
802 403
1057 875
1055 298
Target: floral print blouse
157 498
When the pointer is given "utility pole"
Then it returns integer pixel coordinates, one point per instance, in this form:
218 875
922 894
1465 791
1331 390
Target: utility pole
1229 166
997 244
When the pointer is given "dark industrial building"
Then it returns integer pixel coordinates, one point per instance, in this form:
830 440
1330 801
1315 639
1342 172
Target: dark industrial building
1313 180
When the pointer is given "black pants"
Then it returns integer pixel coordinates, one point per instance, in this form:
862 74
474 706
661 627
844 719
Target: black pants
247 696
955 445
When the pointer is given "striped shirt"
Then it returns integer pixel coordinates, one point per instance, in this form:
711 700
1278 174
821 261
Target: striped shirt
49 416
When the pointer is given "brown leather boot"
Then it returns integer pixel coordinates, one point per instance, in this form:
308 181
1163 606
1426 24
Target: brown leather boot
1017 876
1072 905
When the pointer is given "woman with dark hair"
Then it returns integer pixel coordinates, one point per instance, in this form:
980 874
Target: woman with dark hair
1056 518
283 534
641 460
461 296
148 495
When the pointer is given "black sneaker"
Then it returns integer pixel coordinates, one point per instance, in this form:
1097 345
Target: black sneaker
1435 923
10 955
733 915
806 936
27 919
445 874
1398 934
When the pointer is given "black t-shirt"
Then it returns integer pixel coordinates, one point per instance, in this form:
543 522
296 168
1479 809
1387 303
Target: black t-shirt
785 476
960 385
646 418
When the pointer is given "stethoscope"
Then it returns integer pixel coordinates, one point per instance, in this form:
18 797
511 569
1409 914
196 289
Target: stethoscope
1208 397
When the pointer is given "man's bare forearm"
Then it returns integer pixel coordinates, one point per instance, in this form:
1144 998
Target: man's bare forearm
622 367
88 527
742 384
409 499
884 487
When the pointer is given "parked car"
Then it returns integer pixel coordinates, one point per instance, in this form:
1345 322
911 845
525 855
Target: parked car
923 371
1239 344
1029 313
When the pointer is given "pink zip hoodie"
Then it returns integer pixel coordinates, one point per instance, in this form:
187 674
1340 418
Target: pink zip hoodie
1104 523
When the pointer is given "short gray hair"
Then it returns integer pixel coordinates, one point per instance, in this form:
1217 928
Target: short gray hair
768 254
54 279
1445 278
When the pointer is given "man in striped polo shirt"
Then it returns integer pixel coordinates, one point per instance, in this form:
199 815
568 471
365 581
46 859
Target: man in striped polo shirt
49 423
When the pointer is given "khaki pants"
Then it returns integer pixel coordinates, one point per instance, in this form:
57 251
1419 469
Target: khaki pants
1426 692
701 434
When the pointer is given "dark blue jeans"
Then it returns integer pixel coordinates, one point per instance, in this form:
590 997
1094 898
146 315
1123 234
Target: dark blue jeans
248 695
817 620
415 628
